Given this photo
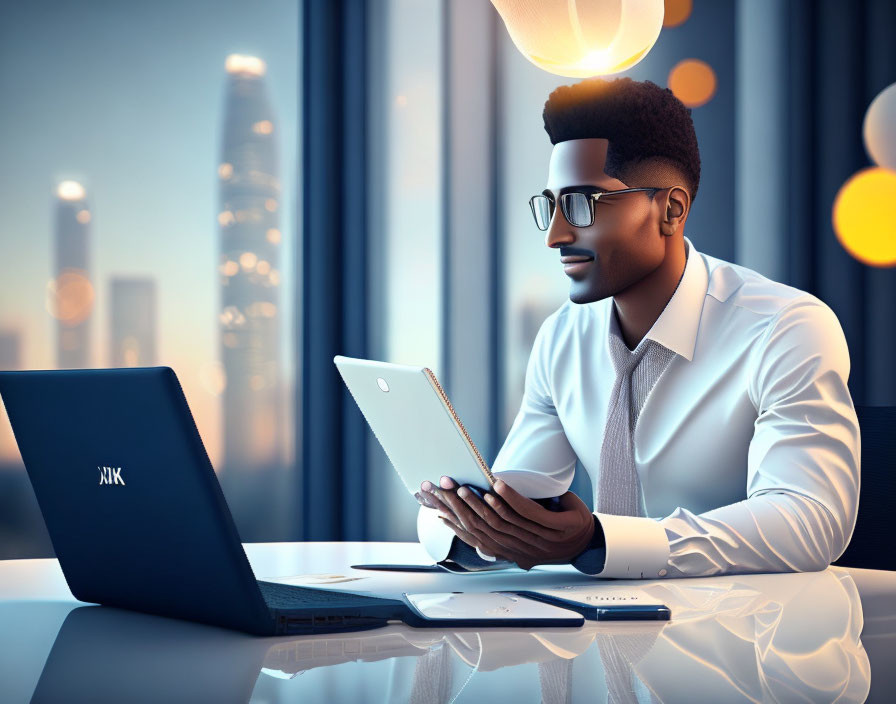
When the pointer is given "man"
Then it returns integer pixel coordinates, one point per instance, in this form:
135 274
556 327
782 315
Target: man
708 403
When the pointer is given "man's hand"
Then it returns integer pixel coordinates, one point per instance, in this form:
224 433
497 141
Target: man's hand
509 526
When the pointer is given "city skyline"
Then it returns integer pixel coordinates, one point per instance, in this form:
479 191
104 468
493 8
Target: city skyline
139 128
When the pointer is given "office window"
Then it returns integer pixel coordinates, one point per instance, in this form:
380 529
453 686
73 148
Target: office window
147 217
406 141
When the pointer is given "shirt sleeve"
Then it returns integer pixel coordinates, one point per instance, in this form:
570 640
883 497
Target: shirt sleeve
802 486
536 458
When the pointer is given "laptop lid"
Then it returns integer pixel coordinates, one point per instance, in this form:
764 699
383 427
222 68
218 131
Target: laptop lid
131 501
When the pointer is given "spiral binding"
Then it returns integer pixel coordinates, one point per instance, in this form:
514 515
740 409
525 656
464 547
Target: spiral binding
482 464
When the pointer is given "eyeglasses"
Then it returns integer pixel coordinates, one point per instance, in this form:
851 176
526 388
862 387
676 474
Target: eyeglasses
577 207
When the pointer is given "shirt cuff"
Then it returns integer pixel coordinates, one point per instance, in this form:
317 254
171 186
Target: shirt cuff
591 559
434 535
636 548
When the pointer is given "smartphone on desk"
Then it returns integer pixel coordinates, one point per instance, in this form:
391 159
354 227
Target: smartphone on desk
599 608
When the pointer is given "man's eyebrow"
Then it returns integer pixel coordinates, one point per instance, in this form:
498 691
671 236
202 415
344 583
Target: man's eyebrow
583 187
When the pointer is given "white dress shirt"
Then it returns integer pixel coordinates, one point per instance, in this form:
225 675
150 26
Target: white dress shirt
747 447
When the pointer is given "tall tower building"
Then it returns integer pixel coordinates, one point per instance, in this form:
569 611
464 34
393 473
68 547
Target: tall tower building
71 293
249 226
132 322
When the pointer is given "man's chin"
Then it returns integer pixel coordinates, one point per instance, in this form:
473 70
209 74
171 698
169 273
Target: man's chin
581 294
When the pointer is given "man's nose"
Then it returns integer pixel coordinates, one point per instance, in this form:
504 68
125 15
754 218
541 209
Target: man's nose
559 232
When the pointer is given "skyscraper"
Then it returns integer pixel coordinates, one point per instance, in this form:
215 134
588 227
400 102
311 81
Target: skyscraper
249 226
70 292
132 322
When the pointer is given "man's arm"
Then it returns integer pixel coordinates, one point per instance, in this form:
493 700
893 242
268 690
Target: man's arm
802 477
803 462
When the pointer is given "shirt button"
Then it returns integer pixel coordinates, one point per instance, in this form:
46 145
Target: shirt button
662 573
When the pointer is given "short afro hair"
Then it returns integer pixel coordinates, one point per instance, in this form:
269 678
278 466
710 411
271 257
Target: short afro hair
641 120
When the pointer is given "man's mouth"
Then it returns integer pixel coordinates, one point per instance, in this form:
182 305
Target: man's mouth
575 265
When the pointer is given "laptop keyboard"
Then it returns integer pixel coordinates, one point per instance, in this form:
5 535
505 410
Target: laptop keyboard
287 596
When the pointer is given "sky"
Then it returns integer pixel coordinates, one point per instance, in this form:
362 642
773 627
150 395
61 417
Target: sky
127 98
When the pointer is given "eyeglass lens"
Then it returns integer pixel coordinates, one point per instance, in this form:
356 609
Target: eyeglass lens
541 209
576 209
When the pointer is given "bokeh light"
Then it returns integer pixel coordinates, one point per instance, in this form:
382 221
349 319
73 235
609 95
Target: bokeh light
693 82
246 65
677 12
582 39
213 377
864 216
70 297
879 128
70 190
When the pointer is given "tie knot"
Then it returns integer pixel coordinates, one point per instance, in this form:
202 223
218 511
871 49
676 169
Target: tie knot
624 359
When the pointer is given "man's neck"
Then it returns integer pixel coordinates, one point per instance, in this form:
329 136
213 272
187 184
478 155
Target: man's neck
639 306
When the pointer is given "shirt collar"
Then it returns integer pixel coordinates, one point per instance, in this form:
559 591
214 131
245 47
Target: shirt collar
676 328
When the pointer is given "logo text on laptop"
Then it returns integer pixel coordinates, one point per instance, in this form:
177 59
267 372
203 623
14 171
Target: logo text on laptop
111 475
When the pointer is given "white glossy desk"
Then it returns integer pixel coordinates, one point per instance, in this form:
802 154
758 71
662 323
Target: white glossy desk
817 637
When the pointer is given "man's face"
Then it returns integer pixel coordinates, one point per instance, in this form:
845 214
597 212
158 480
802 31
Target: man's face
624 241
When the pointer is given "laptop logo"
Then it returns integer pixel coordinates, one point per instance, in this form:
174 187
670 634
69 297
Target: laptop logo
111 475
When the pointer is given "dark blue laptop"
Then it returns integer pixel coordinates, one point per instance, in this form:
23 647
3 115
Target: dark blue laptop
135 511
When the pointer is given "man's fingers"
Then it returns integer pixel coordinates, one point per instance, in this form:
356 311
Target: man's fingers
506 512
438 503
423 500
473 524
503 531
527 508
459 507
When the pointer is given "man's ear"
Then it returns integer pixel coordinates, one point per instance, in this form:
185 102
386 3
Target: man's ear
675 207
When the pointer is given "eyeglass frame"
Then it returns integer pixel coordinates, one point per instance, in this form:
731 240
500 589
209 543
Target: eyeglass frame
592 199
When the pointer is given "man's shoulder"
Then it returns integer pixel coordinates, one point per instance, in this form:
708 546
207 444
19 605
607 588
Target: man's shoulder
746 291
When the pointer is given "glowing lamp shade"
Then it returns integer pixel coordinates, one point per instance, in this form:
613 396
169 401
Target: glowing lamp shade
879 128
865 216
581 38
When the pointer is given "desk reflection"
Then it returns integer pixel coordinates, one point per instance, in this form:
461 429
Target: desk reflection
753 638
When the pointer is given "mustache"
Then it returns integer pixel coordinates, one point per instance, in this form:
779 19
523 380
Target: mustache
576 252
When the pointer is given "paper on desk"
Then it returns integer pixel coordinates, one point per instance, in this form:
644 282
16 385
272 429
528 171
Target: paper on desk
312 580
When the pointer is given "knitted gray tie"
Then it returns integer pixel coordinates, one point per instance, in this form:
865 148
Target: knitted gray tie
619 489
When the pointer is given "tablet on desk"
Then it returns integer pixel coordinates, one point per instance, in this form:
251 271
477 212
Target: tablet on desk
415 423
470 610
